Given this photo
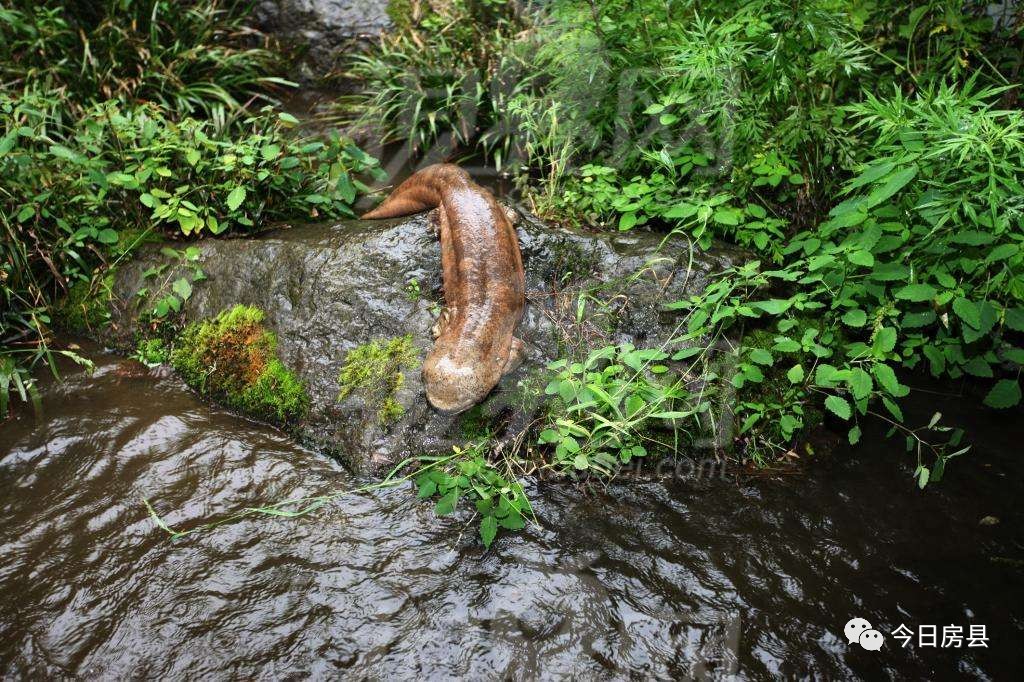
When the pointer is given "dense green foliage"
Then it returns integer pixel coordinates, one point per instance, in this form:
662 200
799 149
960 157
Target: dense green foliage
231 358
867 154
129 118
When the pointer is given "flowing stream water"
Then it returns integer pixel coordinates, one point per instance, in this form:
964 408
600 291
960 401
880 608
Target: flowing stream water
712 577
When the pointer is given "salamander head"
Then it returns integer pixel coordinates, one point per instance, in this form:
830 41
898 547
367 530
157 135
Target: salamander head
454 386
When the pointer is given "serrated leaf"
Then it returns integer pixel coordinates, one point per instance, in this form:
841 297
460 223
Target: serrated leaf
916 293
967 311
795 374
235 198
488 530
854 435
1005 394
855 318
979 367
838 406
446 505
860 383
1015 319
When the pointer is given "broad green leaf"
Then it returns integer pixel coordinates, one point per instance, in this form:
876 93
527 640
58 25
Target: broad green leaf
838 406
854 435
886 378
1015 319
182 288
967 311
774 306
855 318
917 293
488 529
795 374
979 367
235 198
860 383
1005 394
446 505
885 340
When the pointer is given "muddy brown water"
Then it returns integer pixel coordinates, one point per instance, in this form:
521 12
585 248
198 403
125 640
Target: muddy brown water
709 578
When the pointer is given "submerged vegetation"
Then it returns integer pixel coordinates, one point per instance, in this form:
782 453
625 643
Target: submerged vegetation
232 358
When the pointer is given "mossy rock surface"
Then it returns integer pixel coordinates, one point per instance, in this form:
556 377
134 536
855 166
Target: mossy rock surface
232 358
328 290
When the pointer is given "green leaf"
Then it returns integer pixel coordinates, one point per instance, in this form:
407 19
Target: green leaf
862 258
979 367
795 374
580 461
972 238
235 198
548 436
774 306
838 406
916 293
860 383
886 378
967 311
885 340
627 221
107 236
182 288
1015 319
855 318
488 529
446 505
918 319
894 183
854 435
761 356
427 489
922 477
1006 393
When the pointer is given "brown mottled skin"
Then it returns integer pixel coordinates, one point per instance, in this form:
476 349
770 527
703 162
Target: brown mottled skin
484 284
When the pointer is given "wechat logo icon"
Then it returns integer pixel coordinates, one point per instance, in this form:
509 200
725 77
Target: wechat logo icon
859 631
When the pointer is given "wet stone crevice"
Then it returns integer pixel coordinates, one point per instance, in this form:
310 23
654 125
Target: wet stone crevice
326 289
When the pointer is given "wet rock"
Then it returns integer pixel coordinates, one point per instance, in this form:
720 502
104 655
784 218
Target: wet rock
322 27
327 289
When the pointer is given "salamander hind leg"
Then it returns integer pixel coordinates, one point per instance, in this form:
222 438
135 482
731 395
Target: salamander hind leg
516 355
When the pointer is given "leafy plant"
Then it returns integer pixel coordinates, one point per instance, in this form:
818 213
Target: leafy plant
193 57
615 405
498 501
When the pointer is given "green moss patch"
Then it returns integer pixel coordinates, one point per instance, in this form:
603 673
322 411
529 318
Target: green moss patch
231 358
375 372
